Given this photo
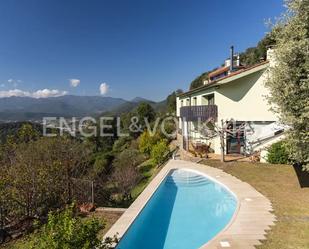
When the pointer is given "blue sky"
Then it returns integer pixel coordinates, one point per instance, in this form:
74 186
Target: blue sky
144 48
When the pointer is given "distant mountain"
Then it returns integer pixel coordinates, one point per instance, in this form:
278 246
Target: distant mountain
25 108
132 105
139 100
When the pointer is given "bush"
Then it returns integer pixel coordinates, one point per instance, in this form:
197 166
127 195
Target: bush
277 154
121 144
64 230
146 142
159 151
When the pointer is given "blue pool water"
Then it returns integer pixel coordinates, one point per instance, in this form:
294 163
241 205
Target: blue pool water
185 212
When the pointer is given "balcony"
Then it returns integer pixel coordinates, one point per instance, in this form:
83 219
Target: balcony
200 112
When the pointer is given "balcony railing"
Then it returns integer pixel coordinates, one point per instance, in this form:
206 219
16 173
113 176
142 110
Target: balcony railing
200 112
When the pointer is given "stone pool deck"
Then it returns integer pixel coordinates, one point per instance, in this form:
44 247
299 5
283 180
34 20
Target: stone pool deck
248 226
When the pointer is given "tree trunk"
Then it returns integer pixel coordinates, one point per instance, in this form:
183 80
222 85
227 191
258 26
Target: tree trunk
222 149
222 142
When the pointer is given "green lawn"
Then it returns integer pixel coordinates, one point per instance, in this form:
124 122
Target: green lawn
290 202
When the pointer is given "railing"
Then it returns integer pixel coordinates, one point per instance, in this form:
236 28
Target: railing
200 112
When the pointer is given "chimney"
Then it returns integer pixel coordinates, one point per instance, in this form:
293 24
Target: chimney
270 55
232 59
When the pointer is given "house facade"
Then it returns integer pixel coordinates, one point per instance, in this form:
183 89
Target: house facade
237 95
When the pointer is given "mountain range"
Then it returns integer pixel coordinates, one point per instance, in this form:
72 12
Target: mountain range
26 108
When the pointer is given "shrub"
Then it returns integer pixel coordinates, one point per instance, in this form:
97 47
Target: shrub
146 142
128 157
277 154
159 151
64 230
121 144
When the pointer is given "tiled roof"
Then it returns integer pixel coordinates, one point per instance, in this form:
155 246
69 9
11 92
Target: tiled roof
219 71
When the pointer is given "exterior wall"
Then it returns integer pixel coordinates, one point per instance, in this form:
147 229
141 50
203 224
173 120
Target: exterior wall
244 99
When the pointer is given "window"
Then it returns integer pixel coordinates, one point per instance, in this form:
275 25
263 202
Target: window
211 99
181 103
188 102
194 101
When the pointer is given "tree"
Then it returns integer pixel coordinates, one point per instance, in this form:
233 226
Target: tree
66 230
27 133
126 178
145 111
126 174
128 156
158 152
171 101
37 176
288 78
146 142
253 55
199 81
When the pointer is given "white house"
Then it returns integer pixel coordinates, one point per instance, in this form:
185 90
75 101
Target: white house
236 93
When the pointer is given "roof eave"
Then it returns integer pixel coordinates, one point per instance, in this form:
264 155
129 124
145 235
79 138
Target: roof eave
234 76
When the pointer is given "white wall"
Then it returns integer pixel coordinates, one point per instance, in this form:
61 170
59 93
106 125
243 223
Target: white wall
243 99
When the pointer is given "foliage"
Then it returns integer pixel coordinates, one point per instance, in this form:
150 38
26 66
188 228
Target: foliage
288 78
158 152
128 157
171 101
102 164
37 176
66 231
277 154
121 144
13 129
126 179
199 81
249 57
253 55
145 112
147 141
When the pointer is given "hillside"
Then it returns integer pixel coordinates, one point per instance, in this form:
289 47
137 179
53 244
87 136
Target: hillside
25 108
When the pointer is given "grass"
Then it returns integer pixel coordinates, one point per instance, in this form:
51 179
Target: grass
280 184
148 170
108 218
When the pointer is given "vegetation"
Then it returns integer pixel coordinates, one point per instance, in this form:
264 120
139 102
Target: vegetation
287 189
39 175
249 57
158 152
146 142
288 81
277 154
254 55
65 230
199 81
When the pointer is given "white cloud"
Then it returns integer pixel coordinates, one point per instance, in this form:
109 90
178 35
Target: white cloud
45 93
74 82
104 88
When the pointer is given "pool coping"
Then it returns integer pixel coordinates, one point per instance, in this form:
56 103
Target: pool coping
248 225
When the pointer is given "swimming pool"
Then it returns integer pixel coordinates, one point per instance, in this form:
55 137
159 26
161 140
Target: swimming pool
186 211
